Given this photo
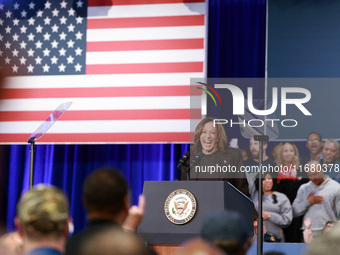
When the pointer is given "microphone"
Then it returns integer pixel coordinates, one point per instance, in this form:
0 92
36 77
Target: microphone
183 160
196 159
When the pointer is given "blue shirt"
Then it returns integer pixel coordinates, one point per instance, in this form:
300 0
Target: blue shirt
44 251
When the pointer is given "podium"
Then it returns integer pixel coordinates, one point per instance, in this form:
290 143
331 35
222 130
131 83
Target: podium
210 196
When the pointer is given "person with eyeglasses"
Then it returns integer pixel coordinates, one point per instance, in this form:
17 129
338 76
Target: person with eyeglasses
314 145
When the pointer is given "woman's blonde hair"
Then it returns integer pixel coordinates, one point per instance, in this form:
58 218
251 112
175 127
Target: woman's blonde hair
296 160
222 140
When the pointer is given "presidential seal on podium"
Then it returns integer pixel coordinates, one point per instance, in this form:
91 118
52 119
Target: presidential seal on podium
180 206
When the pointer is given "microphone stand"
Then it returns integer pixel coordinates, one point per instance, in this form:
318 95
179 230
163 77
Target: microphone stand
180 168
183 163
194 162
188 174
261 139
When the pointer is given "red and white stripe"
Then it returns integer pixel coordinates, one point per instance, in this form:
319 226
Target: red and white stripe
139 61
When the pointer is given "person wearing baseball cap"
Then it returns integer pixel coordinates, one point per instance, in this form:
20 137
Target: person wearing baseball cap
226 230
43 217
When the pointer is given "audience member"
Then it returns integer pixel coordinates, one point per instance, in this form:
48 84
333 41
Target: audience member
226 230
319 199
328 227
198 247
105 198
11 244
43 220
308 234
246 154
253 162
314 145
289 163
326 244
277 212
275 152
289 179
115 241
329 161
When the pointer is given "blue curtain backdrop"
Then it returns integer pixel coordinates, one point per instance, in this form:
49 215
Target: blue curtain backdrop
236 49
66 166
237 41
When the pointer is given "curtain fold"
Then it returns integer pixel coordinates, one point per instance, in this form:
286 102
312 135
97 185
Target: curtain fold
67 166
236 49
237 38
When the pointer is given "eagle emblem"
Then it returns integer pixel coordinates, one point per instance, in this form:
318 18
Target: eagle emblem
179 209
180 206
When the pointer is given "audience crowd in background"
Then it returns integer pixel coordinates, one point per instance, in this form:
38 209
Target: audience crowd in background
301 203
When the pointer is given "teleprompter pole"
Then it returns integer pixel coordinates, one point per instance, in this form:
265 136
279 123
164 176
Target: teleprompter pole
261 139
32 148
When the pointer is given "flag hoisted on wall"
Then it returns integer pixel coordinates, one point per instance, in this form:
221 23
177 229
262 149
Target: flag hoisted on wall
125 64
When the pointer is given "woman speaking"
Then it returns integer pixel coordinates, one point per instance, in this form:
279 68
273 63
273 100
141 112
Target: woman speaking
213 159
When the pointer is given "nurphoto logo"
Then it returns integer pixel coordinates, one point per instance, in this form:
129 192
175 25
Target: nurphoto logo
253 116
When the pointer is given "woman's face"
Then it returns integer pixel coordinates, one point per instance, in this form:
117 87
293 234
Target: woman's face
288 153
208 138
267 183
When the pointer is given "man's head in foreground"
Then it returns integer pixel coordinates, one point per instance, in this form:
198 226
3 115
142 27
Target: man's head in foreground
226 230
105 195
106 199
43 216
114 241
11 244
198 246
327 243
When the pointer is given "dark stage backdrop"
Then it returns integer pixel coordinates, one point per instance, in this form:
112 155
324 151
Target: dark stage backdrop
304 42
236 46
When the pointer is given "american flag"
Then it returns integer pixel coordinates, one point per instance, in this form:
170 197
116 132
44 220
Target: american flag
125 64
